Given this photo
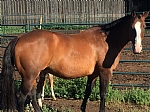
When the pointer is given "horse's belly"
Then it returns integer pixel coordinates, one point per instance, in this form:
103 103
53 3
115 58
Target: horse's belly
72 69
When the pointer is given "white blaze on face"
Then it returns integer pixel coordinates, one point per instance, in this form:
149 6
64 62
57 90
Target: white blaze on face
138 39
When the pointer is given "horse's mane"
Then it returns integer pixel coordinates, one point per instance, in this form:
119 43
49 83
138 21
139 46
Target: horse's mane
109 26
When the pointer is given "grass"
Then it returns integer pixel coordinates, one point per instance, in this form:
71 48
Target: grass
52 26
12 30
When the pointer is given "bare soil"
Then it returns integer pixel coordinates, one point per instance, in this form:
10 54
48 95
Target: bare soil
64 105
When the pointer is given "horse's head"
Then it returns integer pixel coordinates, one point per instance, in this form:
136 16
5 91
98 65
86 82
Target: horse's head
137 30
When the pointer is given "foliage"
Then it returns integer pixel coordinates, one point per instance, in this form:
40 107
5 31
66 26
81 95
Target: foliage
138 96
68 88
12 30
52 26
45 109
17 85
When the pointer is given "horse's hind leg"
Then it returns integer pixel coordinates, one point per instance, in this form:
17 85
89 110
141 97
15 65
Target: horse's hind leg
27 87
20 101
105 75
32 97
22 94
90 83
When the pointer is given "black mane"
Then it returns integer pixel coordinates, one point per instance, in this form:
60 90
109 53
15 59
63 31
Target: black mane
109 26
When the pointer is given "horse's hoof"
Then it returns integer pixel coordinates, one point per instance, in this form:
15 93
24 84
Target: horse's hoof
82 109
54 98
42 98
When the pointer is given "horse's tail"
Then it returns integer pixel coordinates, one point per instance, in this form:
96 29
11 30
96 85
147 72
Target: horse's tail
8 94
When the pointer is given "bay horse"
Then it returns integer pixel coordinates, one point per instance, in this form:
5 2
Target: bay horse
93 53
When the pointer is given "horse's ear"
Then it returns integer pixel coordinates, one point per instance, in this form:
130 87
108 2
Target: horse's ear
145 15
133 13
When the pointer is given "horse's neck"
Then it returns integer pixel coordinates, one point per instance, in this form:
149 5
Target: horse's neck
115 47
117 40
118 35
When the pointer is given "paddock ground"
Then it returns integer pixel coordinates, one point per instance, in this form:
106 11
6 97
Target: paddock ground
70 105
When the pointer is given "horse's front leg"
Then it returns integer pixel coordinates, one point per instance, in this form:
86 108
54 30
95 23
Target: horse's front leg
105 75
90 83
51 85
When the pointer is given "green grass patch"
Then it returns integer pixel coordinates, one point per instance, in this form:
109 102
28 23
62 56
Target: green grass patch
52 26
11 30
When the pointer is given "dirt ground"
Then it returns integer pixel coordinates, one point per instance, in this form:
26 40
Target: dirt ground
65 105
74 105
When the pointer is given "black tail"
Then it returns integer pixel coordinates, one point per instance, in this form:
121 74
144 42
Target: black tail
8 95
